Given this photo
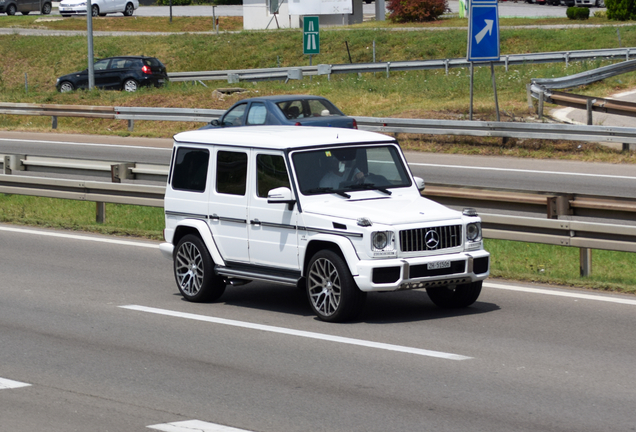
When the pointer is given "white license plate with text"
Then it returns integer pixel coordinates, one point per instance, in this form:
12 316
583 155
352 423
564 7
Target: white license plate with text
438 265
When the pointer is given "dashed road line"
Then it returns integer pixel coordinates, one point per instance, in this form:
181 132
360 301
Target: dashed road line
299 333
10 384
194 426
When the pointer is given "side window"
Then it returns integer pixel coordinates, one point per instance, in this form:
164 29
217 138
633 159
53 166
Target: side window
101 65
271 173
235 117
257 114
231 172
190 169
118 64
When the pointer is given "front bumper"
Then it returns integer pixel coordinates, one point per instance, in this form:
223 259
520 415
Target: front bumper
412 273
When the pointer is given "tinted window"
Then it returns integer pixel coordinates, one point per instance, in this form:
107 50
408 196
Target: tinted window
271 173
119 64
190 169
231 172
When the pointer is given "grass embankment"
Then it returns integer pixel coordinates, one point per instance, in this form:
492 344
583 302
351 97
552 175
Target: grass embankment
421 94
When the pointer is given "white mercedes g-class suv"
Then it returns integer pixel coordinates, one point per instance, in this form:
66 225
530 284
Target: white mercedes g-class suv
333 211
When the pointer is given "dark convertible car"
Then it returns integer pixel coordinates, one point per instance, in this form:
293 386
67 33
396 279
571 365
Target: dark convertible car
292 110
118 73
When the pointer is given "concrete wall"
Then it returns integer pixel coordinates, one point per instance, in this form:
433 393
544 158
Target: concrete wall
256 16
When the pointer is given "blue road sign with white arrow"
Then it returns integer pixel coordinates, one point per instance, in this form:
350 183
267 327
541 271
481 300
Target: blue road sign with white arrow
483 31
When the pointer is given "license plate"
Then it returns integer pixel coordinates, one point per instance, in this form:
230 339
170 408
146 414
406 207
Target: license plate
438 265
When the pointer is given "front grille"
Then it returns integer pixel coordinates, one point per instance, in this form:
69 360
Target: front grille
430 239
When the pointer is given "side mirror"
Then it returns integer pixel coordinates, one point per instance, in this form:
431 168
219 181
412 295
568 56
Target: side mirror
215 122
419 182
281 195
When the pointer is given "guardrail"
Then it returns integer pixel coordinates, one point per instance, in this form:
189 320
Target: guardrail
298 72
547 230
620 135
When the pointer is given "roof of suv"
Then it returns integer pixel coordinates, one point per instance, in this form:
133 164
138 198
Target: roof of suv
280 137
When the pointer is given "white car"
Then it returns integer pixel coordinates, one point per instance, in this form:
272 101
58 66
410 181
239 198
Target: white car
98 7
334 211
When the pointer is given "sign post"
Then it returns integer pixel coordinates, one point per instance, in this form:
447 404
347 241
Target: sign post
483 40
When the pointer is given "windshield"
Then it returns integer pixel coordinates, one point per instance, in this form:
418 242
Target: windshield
347 169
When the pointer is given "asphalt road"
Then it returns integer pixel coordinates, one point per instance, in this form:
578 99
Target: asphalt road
97 332
556 176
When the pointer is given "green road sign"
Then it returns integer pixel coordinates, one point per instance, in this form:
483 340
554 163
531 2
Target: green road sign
311 36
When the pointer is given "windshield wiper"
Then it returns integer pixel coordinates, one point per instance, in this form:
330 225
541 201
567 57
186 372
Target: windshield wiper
328 190
370 186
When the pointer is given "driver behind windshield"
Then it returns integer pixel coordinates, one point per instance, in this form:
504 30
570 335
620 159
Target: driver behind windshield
340 171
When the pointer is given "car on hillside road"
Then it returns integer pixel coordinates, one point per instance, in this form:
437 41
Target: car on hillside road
118 73
286 110
98 7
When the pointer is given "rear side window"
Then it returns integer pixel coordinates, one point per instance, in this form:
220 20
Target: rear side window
271 173
190 169
231 172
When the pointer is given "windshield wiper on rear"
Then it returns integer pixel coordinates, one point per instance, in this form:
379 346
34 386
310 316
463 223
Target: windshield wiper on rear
328 190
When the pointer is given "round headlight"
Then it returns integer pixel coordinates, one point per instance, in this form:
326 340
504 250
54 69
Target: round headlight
380 240
473 231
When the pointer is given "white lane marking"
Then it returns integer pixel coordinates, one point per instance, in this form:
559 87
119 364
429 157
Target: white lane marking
523 171
562 293
88 144
10 384
299 333
194 426
79 237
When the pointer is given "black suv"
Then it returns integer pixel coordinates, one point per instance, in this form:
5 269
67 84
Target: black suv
118 73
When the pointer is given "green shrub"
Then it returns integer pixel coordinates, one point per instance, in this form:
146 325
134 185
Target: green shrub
578 13
621 10
416 10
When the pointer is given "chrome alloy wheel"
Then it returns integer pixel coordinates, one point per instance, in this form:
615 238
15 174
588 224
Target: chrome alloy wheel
130 85
189 268
324 287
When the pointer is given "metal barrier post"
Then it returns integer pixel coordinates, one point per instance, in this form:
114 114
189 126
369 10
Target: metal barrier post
131 125
589 104
586 261
540 106
53 122
100 212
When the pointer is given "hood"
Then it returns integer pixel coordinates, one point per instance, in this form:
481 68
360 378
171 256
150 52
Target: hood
382 210
71 2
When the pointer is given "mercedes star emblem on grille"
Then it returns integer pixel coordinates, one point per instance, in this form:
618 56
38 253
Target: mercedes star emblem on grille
431 239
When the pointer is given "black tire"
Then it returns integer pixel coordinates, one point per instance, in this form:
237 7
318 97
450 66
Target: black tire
455 296
11 10
65 16
331 290
600 3
194 271
25 12
129 10
46 9
95 10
